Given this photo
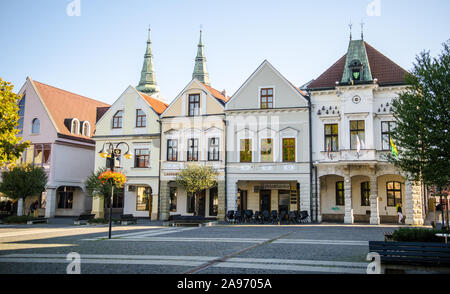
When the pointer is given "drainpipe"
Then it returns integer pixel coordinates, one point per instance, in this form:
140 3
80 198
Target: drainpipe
310 161
159 173
225 169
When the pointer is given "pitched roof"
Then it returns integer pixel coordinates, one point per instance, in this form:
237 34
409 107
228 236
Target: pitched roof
156 104
63 105
382 68
217 94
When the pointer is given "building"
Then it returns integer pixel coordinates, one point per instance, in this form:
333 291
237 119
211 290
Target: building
352 121
193 132
134 120
59 124
268 146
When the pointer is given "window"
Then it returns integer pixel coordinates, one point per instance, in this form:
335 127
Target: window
142 158
288 150
21 114
117 199
75 127
213 201
386 128
266 98
331 137
246 153
86 129
190 205
394 193
142 198
194 104
340 198
35 126
172 150
65 197
213 149
266 150
141 119
117 120
356 131
173 199
365 194
192 154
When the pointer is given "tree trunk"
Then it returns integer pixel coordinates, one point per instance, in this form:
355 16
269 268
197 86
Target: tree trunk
196 204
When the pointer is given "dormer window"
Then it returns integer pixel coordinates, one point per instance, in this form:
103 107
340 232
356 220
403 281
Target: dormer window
86 129
35 126
356 69
194 104
75 126
117 120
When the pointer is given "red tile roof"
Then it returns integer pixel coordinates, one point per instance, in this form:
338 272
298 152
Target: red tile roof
381 67
156 104
63 105
217 94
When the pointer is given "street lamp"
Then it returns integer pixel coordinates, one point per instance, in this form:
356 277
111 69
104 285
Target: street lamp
112 153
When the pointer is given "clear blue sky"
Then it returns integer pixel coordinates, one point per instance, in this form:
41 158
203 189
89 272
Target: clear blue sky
99 53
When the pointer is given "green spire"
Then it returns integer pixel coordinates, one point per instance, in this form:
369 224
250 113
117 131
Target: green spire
147 84
357 67
200 70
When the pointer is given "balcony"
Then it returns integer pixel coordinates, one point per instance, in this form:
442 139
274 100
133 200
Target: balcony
351 155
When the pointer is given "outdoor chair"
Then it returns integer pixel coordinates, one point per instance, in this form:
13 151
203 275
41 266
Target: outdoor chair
274 216
257 217
292 217
304 217
265 216
283 215
238 217
230 216
248 215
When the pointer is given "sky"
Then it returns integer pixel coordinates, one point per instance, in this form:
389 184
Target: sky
96 48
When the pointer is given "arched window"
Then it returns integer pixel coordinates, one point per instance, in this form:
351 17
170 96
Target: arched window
35 126
86 129
117 120
75 128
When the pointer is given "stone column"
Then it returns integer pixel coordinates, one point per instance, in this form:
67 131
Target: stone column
221 197
231 195
348 217
413 206
374 213
20 207
164 201
319 214
98 207
50 206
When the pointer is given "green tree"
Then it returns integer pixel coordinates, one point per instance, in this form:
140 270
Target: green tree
11 147
95 188
422 113
196 178
23 181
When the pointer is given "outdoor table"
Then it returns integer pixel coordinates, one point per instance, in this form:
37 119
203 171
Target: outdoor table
443 235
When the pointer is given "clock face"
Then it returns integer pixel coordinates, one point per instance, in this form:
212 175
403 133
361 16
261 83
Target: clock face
356 99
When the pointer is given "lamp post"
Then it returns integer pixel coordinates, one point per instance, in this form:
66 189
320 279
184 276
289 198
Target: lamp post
112 153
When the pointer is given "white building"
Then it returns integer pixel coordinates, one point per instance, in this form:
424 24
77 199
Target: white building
351 107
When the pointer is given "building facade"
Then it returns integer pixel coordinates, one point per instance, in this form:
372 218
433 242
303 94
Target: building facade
268 154
59 124
352 121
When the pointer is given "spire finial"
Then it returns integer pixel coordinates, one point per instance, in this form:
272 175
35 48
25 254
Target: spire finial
149 30
350 26
362 29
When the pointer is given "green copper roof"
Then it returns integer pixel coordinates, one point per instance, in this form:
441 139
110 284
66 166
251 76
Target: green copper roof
147 84
356 64
200 70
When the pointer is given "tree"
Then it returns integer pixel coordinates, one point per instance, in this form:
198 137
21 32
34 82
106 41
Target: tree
95 187
422 113
23 181
11 146
196 178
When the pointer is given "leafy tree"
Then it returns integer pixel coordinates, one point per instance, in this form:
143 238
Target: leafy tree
422 113
23 181
11 146
95 187
196 178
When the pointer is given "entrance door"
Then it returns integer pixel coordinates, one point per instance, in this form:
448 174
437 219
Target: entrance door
283 200
201 203
264 196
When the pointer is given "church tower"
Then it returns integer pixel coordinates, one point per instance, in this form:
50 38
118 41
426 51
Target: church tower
147 84
200 70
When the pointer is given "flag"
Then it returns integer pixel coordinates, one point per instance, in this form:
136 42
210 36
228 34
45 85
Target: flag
328 149
358 145
394 149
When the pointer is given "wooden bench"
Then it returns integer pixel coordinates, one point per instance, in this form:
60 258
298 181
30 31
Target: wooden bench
126 219
400 256
83 219
37 221
192 221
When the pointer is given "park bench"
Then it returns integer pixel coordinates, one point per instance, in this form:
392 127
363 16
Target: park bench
183 220
126 219
83 219
37 221
397 257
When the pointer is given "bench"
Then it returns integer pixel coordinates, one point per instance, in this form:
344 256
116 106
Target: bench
400 256
184 220
83 219
37 221
126 219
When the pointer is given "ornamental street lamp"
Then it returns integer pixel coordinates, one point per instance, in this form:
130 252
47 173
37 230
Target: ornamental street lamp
113 153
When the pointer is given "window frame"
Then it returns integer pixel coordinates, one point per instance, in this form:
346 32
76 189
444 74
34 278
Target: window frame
365 193
118 119
393 190
289 147
141 119
330 137
195 110
338 196
137 158
388 134
147 191
172 151
267 148
192 148
213 149
33 126
357 131
247 151
264 98
66 195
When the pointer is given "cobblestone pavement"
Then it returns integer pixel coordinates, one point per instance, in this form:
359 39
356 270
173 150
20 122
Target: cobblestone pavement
151 248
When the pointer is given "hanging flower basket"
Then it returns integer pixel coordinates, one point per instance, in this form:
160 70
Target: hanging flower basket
117 179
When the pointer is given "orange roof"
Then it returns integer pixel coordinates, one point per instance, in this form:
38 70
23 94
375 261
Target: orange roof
64 105
217 94
156 104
